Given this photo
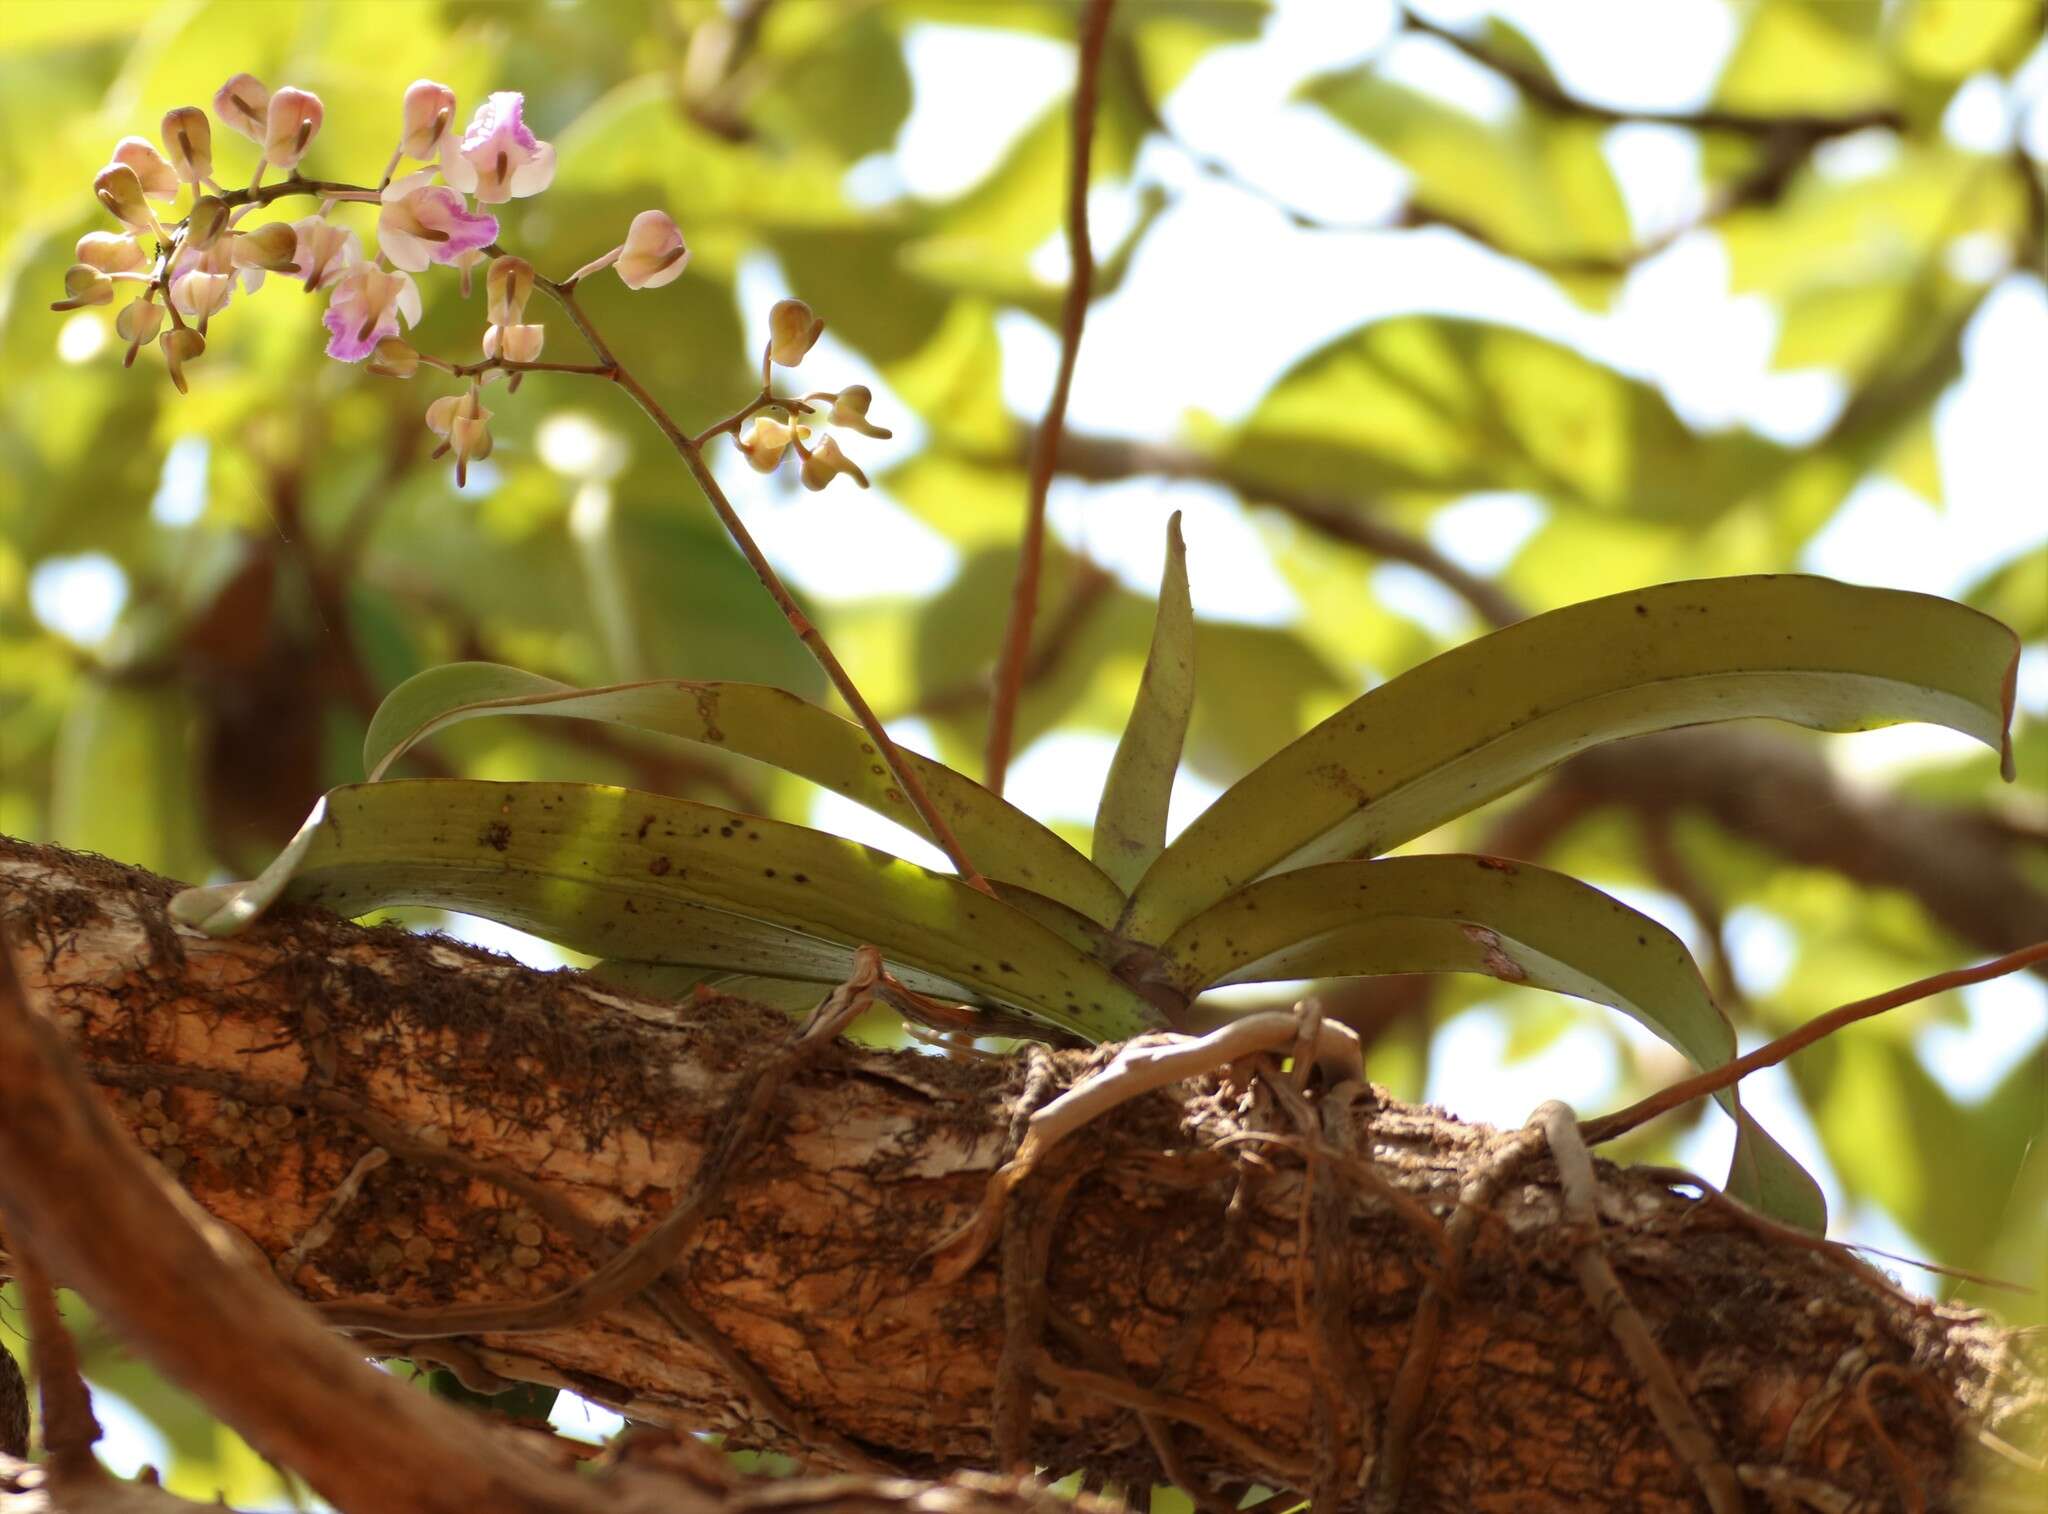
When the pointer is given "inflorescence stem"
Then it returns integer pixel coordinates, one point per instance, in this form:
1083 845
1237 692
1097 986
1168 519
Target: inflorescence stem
691 450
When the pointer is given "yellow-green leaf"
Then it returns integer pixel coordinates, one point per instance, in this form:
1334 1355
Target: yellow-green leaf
618 873
1477 721
764 723
1130 821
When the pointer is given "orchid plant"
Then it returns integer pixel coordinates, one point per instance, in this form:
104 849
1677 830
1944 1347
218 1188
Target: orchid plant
189 268
1285 876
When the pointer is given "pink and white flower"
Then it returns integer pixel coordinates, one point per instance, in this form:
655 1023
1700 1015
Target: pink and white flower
423 222
498 159
197 295
325 252
429 120
464 426
507 287
365 308
216 258
653 254
515 344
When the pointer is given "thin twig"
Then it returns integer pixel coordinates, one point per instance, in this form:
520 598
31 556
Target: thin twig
1105 459
1074 314
1690 1439
1607 1127
1540 89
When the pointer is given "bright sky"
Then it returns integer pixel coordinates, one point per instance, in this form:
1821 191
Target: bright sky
1197 306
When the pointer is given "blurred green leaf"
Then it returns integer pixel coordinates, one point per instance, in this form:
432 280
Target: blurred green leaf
1536 186
1452 406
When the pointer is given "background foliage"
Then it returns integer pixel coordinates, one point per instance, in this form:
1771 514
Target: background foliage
202 599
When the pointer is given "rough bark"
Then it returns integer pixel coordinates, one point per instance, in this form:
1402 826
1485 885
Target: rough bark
533 1125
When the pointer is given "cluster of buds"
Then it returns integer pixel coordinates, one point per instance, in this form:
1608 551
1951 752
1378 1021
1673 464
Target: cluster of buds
779 428
191 265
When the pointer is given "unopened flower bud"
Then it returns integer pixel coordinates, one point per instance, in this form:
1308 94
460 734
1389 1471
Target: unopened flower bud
207 220
850 409
181 345
84 285
274 246
159 180
289 124
110 252
197 295
792 331
137 323
429 113
507 287
515 344
188 143
767 440
393 358
826 462
243 105
654 253
120 191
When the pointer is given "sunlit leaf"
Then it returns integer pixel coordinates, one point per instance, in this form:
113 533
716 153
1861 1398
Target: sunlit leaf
1130 821
1475 722
1443 406
764 723
1536 186
618 873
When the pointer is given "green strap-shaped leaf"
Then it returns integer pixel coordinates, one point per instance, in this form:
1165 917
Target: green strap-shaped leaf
1473 723
766 723
1508 920
1130 821
618 873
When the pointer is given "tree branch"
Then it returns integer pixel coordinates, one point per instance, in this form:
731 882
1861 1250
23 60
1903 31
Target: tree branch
511 1100
1102 459
1539 89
